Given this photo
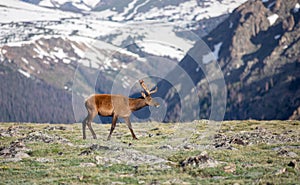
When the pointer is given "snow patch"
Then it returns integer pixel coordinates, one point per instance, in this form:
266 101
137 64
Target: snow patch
208 58
46 3
161 49
26 74
59 53
217 49
40 51
212 56
18 11
25 60
78 51
66 61
296 8
272 19
277 37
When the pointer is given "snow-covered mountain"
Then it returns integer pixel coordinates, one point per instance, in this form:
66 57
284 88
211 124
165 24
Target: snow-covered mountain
171 10
44 41
260 58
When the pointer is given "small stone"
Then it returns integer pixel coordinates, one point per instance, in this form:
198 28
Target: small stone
165 147
80 178
238 141
87 165
230 168
44 160
280 171
21 155
5 152
293 164
188 147
141 182
99 160
292 154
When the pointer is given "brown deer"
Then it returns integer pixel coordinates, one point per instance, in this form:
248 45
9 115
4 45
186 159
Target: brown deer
116 106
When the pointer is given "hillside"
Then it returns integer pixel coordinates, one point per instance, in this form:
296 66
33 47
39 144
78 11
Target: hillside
77 48
257 49
240 152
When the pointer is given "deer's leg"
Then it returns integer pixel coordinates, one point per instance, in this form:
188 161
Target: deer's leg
113 126
128 123
91 117
84 126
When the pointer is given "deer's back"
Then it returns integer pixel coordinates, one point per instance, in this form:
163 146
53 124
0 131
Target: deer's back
107 104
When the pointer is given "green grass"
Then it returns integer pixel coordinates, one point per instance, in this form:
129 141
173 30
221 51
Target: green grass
254 164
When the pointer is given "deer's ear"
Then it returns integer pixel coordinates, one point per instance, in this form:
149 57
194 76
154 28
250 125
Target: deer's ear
143 94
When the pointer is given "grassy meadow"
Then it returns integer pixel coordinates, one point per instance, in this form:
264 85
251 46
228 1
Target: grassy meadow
236 152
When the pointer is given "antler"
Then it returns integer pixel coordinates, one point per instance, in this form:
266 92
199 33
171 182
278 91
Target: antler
146 89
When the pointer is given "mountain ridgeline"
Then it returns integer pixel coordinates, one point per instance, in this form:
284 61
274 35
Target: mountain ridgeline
257 48
260 59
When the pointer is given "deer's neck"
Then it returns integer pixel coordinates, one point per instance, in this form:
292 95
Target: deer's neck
136 103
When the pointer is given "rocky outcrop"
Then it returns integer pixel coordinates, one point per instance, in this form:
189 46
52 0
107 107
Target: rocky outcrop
259 56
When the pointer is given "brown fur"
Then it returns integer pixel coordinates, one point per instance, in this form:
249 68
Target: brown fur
115 106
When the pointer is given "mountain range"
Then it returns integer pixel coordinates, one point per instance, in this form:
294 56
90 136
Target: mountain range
258 52
55 53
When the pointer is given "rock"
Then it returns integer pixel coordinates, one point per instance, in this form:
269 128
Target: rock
105 161
289 23
5 152
92 148
21 155
292 154
286 153
55 128
16 149
85 152
201 161
117 183
45 160
293 164
188 147
238 141
280 171
166 147
154 129
230 168
87 165
98 147
44 137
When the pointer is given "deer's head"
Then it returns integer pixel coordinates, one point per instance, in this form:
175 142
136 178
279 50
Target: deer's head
147 96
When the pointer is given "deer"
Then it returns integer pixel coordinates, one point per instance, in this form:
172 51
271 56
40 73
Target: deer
115 106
